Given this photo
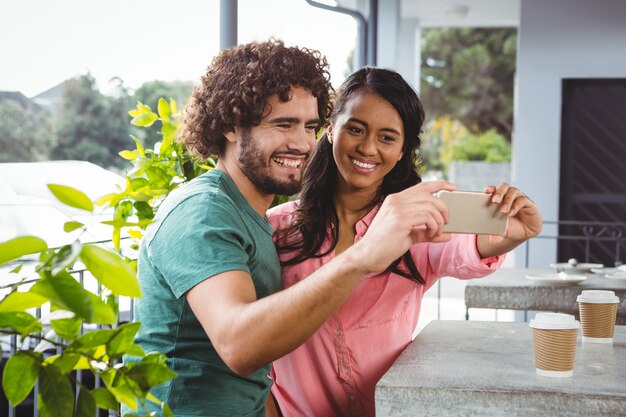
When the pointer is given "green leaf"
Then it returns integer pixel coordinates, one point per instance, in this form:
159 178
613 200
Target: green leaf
21 322
20 301
140 149
140 165
66 361
92 339
20 246
68 329
71 226
123 223
158 177
144 120
144 210
85 404
20 375
112 199
128 155
71 197
148 375
169 136
123 339
167 411
164 109
124 210
65 257
154 357
135 350
104 399
173 106
111 271
117 386
56 397
103 313
138 183
143 108
66 293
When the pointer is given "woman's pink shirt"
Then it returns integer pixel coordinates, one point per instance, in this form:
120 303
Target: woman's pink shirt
334 373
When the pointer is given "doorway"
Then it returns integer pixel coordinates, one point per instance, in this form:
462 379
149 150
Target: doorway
593 170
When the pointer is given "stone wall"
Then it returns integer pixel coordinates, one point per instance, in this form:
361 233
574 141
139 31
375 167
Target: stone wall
476 175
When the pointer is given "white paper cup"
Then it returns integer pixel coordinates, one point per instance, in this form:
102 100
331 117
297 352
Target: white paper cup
598 310
554 336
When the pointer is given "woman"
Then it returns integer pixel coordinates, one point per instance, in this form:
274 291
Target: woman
368 154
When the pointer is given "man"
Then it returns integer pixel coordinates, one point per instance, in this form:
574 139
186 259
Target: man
208 268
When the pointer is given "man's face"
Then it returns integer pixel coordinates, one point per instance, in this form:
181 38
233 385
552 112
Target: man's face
273 154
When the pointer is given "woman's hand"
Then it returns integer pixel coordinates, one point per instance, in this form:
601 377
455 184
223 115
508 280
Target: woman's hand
524 218
524 221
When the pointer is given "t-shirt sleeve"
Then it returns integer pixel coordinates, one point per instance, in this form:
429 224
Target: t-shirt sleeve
197 240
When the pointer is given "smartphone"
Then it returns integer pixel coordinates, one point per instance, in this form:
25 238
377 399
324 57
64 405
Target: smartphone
472 212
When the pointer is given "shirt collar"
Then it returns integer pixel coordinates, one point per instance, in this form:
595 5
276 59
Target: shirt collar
363 224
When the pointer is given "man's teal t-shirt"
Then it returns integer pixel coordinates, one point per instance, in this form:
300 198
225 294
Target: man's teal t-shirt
204 228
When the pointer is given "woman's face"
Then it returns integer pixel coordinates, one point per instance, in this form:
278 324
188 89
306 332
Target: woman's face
367 138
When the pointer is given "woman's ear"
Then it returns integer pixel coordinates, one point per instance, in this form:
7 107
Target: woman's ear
400 157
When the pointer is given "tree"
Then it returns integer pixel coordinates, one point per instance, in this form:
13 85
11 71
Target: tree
467 74
89 125
25 132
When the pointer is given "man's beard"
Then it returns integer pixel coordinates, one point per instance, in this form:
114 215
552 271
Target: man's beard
253 164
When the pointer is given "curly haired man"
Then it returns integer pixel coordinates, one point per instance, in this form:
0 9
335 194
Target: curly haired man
208 264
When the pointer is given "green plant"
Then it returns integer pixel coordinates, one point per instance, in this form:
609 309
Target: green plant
71 307
155 173
489 146
446 140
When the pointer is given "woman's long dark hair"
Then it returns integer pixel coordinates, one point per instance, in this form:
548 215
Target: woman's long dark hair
316 211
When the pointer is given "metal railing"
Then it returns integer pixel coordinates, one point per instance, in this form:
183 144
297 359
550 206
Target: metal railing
28 408
593 240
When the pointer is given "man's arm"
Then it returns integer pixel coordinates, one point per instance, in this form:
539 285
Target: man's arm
249 333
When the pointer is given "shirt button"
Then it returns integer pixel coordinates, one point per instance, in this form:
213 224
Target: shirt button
361 225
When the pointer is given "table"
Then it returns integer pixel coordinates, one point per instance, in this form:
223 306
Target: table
507 288
474 368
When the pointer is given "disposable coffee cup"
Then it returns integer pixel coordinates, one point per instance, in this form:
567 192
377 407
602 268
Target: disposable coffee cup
598 310
554 336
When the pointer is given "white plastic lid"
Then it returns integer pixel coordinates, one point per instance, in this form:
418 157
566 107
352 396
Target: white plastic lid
597 297
554 321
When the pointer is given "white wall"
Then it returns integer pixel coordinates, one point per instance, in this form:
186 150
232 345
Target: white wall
557 39
399 42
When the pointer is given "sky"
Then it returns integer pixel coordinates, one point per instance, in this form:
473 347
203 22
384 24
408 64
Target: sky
44 42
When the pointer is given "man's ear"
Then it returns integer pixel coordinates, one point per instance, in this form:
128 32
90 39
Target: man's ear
231 136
